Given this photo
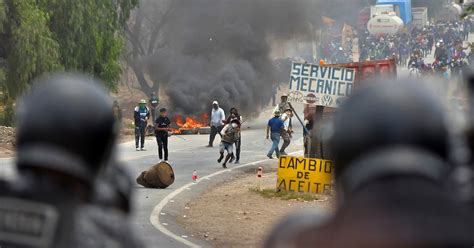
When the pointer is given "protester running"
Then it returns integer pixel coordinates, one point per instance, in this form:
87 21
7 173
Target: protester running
234 115
230 134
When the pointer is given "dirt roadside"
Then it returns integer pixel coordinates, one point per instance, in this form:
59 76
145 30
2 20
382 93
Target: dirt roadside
6 150
7 147
232 214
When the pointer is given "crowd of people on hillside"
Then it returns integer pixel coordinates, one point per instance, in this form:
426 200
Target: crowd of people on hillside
334 51
443 40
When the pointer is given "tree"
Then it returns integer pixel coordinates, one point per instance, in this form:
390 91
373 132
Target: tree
90 34
468 10
144 33
31 47
50 35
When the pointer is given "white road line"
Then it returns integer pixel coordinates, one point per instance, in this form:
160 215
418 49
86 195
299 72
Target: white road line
155 214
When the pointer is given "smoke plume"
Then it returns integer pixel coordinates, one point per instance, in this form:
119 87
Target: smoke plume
219 50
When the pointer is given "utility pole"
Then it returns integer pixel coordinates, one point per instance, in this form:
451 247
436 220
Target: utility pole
314 146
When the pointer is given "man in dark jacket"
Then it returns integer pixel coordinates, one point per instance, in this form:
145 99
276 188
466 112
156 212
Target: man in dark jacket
141 114
162 127
391 167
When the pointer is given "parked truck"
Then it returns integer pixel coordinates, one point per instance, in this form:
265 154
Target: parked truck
420 17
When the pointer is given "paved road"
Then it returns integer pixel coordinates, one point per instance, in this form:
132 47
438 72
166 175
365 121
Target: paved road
155 210
186 156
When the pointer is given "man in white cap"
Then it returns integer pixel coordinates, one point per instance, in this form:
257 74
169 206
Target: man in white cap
141 115
217 122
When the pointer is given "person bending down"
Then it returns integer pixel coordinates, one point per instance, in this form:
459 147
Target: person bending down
230 134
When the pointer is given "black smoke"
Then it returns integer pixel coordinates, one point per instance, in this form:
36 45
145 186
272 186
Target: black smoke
220 50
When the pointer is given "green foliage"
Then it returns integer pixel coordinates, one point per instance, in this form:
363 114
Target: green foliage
48 35
33 49
90 34
3 14
468 10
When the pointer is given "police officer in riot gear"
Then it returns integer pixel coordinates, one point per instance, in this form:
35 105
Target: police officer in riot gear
113 190
59 156
390 147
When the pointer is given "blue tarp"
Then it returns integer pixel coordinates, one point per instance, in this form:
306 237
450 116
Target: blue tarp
405 8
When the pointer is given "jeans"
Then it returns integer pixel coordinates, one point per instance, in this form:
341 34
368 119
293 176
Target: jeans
140 135
275 142
162 140
153 115
286 141
224 146
238 143
214 130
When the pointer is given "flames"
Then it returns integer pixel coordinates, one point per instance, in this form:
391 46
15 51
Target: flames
190 122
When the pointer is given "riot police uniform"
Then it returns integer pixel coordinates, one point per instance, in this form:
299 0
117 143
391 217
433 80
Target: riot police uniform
59 156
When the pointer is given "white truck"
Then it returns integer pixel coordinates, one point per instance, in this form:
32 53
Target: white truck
381 9
420 17
385 24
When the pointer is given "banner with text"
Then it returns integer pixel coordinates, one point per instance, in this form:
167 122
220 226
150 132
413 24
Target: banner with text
321 85
304 174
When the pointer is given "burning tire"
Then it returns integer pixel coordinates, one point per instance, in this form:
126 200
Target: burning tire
205 130
185 131
192 125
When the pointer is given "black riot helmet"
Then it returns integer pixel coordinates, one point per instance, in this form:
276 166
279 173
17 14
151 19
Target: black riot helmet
66 125
387 116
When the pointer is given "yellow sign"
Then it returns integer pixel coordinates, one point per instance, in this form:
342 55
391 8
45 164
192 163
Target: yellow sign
304 174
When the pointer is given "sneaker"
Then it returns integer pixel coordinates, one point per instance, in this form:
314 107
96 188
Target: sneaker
143 149
224 166
138 149
270 156
283 154
209 146
236 162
